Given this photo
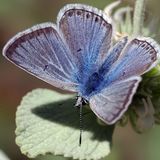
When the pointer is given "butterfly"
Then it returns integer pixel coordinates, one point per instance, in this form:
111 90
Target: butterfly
76 54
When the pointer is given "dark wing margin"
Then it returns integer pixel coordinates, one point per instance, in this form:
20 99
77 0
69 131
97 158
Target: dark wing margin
87 31
111 103
42 52
138 57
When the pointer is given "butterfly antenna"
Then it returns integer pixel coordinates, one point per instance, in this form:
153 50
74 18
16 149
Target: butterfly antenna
80 124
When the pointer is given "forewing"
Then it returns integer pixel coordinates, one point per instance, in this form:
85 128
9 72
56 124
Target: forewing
87 31
41 51
112 57
110 104
139 56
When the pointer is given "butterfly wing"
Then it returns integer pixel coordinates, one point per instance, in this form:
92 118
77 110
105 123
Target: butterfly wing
139 56
42 52
110 104
88 32
117 90
112 57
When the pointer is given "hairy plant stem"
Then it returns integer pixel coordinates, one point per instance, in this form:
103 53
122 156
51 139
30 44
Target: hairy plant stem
138 17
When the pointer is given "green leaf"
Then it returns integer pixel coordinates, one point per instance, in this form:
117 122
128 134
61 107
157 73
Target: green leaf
52 157
3 156
47 122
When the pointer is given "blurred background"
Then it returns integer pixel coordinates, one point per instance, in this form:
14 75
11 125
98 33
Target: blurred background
17 15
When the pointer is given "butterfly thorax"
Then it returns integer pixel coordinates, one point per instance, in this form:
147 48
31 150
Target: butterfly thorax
91 85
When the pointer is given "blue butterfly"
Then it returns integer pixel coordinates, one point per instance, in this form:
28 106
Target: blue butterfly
76 55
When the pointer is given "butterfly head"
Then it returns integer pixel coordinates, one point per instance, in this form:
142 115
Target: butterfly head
80 102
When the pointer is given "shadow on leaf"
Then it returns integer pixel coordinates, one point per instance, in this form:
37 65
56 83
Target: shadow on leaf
64 113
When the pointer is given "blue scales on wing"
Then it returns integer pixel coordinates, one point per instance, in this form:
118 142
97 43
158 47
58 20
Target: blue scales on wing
76 55
107 76
96 81
42 52
138 57
88 33
115 92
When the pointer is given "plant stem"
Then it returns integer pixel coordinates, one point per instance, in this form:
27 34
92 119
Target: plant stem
138 17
